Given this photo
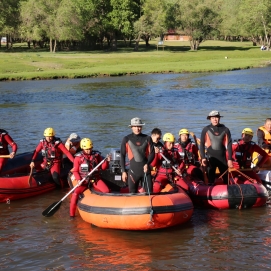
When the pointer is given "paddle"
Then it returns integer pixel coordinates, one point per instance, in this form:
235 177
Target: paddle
183 185
5 156
52 209
30 176
168 161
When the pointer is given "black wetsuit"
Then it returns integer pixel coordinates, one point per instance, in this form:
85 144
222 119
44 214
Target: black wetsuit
216 139
140 151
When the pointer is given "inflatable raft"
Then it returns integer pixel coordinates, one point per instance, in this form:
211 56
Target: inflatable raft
16 182
139 211
238 194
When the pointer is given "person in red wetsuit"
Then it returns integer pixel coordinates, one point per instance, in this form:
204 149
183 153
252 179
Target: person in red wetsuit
165 173
5 140
216 138
189 153
140 152
84 162
242 151
52 150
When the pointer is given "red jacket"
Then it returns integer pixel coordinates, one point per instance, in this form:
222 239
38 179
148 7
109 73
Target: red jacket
52 150
242 153
6 140
84 163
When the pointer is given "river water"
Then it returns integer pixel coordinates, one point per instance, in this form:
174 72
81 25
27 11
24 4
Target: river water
101 108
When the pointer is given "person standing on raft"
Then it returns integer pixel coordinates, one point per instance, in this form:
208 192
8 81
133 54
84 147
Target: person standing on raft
5 140
84 162
216 138
139 149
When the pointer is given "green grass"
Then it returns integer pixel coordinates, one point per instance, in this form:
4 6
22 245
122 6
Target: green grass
21 63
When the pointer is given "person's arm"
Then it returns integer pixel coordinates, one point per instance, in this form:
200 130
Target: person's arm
76 167
202 143
123 154
65 151
261 152
229 148
261 141
12 144
151 151
35 154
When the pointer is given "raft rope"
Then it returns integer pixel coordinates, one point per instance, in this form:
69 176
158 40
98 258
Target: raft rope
150 222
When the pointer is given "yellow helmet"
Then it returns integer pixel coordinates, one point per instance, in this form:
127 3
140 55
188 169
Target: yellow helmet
49 132
86 143
168 137
183 131
247 131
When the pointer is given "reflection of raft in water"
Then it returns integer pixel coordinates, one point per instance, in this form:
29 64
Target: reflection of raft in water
136 211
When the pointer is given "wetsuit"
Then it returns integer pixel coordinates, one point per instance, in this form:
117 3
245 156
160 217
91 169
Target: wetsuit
52 157
216 140
165 173
264 138
140 151
5 140
189 153
242 157
83 164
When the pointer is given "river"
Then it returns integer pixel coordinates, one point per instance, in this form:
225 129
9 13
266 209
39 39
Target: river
101 108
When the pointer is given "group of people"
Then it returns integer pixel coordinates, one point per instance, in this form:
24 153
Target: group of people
152 164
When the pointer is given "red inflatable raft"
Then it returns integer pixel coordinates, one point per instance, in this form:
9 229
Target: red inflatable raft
238 194
15 182
136 211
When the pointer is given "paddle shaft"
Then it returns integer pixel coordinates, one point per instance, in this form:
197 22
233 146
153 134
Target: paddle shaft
79 183
5 156
30 176
169 163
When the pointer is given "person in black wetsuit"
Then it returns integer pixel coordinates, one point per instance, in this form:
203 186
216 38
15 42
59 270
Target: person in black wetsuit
216 139
139 149
156 135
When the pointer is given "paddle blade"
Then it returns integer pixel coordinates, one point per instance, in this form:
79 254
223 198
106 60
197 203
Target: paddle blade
52 209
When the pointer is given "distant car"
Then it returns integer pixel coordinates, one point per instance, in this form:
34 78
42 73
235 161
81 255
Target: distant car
3 40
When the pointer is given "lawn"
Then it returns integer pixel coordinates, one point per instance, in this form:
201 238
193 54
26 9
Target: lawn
21 63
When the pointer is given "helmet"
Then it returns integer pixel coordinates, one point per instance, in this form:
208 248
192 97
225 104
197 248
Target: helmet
247 131
168 137
86 143
183 131
49 132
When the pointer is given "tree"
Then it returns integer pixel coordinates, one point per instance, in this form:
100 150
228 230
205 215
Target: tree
195 18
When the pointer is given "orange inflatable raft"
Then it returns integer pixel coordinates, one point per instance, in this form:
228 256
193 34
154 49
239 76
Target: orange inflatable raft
136 211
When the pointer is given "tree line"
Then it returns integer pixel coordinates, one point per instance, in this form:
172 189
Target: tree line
91 24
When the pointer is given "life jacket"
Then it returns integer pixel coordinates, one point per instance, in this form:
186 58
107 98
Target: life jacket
173 156
186 153
243 154
267 135
3 143
50 151
88 162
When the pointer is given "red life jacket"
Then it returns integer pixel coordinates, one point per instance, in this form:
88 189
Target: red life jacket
243 153
3 143
50 151
186 153
87 163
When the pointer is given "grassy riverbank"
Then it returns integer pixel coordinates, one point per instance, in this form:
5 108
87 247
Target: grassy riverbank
24 64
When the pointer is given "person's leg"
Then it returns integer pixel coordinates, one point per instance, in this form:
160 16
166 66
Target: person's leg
73 203
133 182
